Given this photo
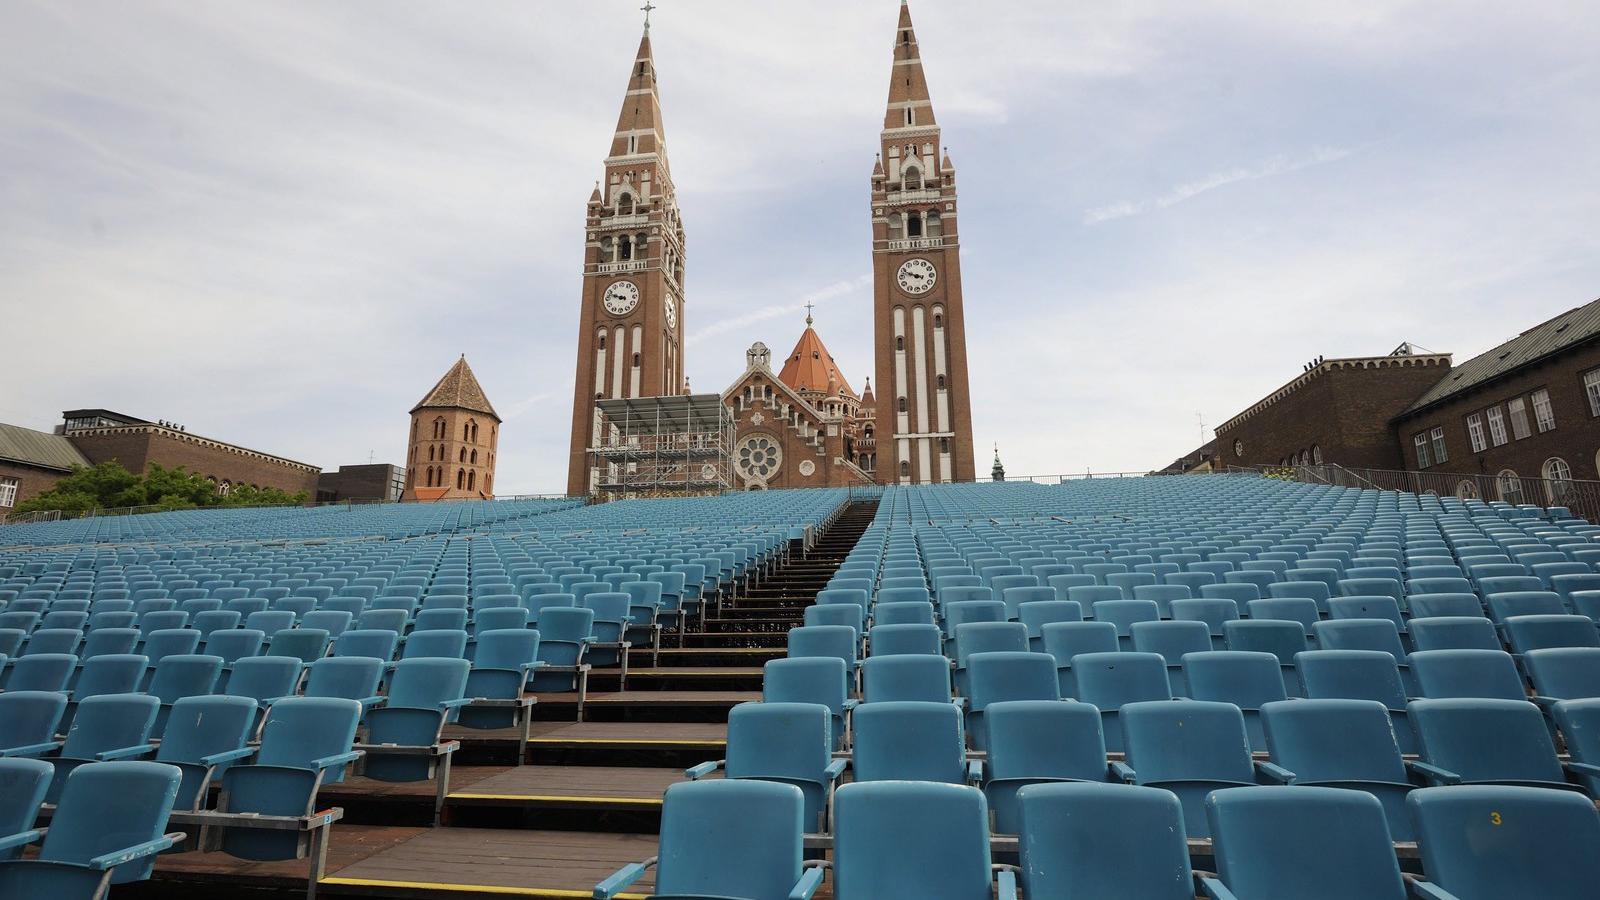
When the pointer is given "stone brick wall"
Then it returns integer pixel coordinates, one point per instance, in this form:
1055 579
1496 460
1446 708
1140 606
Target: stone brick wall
135 447
31 481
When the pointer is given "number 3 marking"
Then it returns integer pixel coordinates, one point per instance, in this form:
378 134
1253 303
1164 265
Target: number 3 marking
1494 818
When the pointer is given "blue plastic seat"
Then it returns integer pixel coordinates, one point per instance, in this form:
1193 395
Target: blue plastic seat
1563 673
1288 843
23 783
838 641
985 637
1245 679
923 677
1109 680
564 634
1122 614
789 743
423 695
909 741
819 679
1339 743
176 677
1064 641
42 672
1000 676
28 721
1280 637
1035 742
263 678
204 735
1539 632
900 839
1484 843
1453 633
106 728
1188 747
1359 675
964 611
1506 604
1480 741
380 643
727 839
1171 640
902 613
435 644
347 677
1444 674
81 856
1579 721
893 640
1123 842
506 658
305 644
1425 606
53 640
335 622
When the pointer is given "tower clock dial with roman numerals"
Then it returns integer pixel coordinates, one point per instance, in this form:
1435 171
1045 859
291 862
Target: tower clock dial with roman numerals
621 298
672 314
916 276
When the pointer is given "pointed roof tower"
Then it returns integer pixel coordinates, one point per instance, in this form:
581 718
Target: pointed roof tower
458 389
908 89
640 119
810 367
998 473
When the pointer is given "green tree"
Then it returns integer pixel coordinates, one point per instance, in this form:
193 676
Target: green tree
110 486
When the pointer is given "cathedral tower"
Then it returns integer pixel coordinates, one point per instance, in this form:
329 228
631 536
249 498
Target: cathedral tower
924 431
455 435
630 333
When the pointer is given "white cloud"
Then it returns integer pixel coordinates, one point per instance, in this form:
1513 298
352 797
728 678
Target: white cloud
1277 165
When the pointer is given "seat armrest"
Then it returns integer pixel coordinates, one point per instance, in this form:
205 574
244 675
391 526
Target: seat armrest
1427 890
974 772
1434 773
372 702
1578 768
835 769
1005 882
621 878
1123 772
30 750
960 703
452 704
1275 772
533 666
851 704
1544 702
704 769
124 752
1215 889
21 839
338 759
118 857
227 756
810 880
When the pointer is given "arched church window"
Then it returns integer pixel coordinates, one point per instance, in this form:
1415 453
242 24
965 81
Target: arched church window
636 360
938 320
895 226
461 479
472 481
608 248
474 458
905 468
902 404
624 248
463 455
941 382
414 424
466 431
430 453
625 204
914 225
474 432
913 177
935 225
899 342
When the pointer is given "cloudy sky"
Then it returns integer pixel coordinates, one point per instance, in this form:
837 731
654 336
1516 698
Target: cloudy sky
279 223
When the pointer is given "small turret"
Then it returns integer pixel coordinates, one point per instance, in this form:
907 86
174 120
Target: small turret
998 473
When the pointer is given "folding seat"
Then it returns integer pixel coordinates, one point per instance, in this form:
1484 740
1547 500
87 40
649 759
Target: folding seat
111 673
909 741
23 783
179 676
1486 842
80 856
162 620
890 640
1359 675
234 644
1575 583
1445 674
1109 680
1015 597
1000 676
334 622
1506 604
1036 742
388 619
538 603
563 642
105 728
402 739
53 640
846 614
1123 841
1127 582
263 678
1339 743
113 619
355 606
63 619
347 677
1301 843
1282 638
1547 572
246 606
905 677
1088 595
985 637
784 742
440 620
1065 640
1537 632
902 613
1061 584
1190 748
297 605
1563 673
1162 596
913 839
823 680
1437 585
204 735
28 721
1171 640
1453 633
211 620
825 640
1367 634
1424 606
1239 593
1248 680
1123 614
304 644
727 838
1479 741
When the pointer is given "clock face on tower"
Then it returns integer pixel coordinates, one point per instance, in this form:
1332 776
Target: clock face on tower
672 314
916 276
621 298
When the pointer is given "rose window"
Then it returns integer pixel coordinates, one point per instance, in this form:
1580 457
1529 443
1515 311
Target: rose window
759 457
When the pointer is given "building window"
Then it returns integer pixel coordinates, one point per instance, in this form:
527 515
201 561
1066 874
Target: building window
1510 486
1475 433
1420 439
1440 456
905 469
461 479
474 457
1544 418
1316 454
472 481
1557 480
1467 489
8 492
1518 411
902 404
1238 447
1497 426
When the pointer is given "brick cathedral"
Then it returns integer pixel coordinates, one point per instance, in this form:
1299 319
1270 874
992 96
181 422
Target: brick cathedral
797 421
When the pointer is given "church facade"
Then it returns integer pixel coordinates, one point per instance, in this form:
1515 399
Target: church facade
797 421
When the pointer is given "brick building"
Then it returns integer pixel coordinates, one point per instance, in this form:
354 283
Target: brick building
372 482
1522 419
102 435
31 462
454 437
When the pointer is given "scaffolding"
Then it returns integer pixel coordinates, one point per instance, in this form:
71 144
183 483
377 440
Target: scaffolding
654 446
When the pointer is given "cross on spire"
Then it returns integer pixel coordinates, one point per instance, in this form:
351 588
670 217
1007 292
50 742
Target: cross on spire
809 307
646 10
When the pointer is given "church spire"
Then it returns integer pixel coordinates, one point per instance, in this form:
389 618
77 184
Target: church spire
909 104
639 126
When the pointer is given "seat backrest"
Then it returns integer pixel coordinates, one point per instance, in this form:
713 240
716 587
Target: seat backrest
1182 740
911 839
1123 613
985 637
374 642
908 741
506 648
1303 843
23 783
783 740
1124 841
1462 603
113 673
499 618
185 675
1486 740
568 624
440 620
107 807
387 619
1064 640
1243 678
921 677
730 839
1506 604
1045 739
1483 842
1537 632
201 726
1009 675
1170 639
1333 740
1282 638
1360 634
847 614
1108 680
440 644
1352 675
110 722
264 678
1443 674
902 613
1453 633
425 683
823 640
299 730
42 672
817 679
1565 673
350 677
334 621
30 717
891 640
